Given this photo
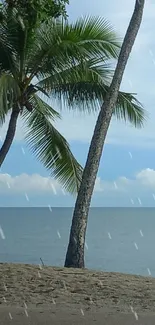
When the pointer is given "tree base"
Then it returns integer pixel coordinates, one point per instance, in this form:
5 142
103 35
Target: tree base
72 262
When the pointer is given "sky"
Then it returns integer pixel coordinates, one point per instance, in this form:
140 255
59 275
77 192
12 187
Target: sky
126 176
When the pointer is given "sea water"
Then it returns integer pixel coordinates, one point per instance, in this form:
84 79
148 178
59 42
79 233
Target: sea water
118 239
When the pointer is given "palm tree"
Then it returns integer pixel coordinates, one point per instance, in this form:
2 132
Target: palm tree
66 62
75 252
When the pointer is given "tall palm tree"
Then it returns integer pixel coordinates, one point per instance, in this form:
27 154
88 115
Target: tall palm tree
75 252
66 62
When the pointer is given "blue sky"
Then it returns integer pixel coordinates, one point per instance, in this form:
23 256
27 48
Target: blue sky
127 171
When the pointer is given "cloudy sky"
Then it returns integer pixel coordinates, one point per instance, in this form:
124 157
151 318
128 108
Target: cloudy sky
127 171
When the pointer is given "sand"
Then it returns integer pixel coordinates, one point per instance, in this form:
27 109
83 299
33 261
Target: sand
33 296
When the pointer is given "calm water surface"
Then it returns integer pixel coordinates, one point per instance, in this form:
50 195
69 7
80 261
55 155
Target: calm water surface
118 239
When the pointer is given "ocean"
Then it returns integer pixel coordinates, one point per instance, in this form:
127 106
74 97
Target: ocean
118 239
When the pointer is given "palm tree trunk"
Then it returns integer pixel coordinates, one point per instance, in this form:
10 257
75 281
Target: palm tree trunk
9 136
75 251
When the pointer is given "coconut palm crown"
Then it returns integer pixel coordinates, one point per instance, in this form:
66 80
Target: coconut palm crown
69 63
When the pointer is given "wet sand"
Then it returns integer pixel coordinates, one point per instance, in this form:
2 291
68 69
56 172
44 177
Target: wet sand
33 296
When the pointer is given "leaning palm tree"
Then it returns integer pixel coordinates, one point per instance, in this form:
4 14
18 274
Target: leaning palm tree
64 62
75 252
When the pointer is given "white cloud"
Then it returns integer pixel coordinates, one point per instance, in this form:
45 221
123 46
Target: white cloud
147 177
142 182
36 190
27 184
33 184
24 183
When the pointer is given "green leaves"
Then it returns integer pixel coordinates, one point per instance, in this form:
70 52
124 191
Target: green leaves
61 45
9 94
50 147
130 109
84 87
77 85
34 12
69 62
96 36
6 49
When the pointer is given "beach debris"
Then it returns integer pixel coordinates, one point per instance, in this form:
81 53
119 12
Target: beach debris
40 267
23 151
132 201
148 270
8 185
130 154
26 313
101 283
54 303
116 187
141 233
42 263
27 198
5 287
64 284
139 200
50 208
134 312
109 235
86 245
136 246
4 299
25 305
82 312
2 233
58 233
91 300
53 188
39 274
136 316
10 316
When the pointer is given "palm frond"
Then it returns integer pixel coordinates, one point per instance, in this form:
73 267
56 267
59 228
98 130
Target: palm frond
84 87
4 64
51 148
75 85
128 108
43 108
92 70
60 42
9 94
96 35
19 39
7 62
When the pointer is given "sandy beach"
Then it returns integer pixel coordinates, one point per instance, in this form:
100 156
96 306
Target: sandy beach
36 295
